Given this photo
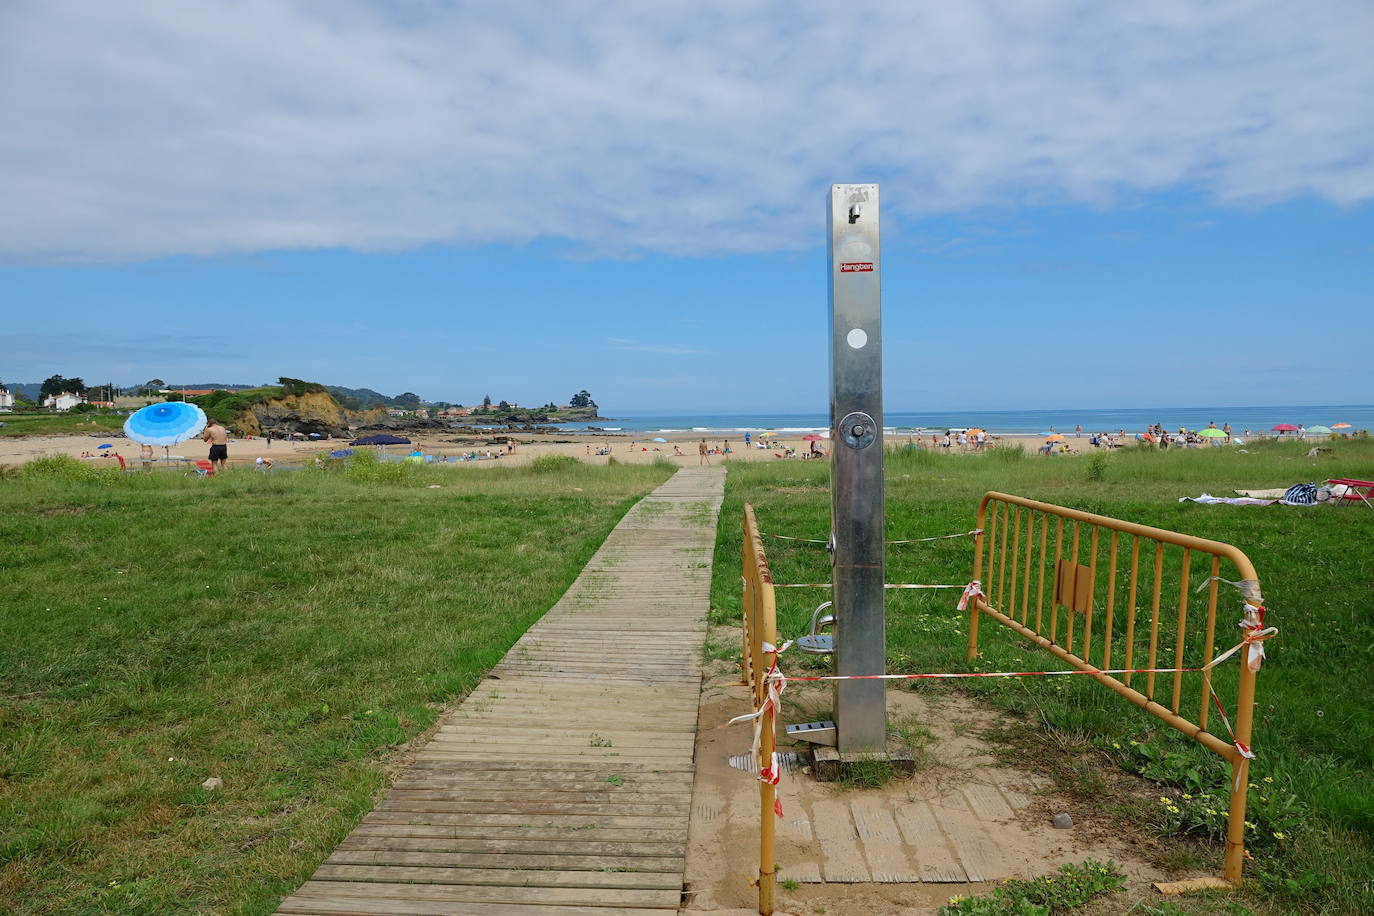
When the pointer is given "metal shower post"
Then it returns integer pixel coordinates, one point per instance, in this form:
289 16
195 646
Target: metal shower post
856 422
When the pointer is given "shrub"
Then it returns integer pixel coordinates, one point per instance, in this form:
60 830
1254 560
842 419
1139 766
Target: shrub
550 464
367 466
63 467
1097 466
1008 454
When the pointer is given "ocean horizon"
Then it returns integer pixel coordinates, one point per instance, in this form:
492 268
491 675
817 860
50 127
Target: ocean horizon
1130 419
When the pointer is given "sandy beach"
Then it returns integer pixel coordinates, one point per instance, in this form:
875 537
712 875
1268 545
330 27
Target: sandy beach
455 444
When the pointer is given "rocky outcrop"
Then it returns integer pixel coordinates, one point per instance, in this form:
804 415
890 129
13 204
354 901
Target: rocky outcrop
303 414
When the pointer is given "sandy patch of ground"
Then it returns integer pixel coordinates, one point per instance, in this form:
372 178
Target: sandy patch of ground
906 847
454 444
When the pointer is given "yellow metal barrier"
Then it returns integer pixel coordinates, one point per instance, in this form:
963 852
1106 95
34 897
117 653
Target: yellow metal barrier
1035 559
760 627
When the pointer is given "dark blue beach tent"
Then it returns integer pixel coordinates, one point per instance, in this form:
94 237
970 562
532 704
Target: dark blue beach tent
381 439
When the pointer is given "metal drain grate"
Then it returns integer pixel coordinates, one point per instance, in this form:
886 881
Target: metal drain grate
788 760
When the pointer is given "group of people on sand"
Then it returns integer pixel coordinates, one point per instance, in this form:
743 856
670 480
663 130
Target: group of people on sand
978 439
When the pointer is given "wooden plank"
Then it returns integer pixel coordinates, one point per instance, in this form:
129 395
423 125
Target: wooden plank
548 896
936 861
969 837
540 807
844 860
353 906
500 877
551 794
583 821
525 861
881 841
510 837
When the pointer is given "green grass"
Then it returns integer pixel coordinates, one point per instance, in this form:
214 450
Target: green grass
1313 731
1074 886
59 424
284 632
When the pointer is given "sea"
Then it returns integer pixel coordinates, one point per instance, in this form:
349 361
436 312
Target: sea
1033 422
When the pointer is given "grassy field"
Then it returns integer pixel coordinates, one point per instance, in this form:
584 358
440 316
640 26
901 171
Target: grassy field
284 632
59 424
1313 805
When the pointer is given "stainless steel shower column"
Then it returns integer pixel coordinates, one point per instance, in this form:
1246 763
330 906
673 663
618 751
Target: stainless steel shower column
856 423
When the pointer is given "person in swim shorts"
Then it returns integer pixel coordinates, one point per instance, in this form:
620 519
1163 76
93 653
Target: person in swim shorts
218 437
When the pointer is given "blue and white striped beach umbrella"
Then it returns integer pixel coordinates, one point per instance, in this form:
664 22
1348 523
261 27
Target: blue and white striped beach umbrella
164 424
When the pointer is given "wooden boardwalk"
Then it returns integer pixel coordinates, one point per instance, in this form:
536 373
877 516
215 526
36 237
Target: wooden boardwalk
562 785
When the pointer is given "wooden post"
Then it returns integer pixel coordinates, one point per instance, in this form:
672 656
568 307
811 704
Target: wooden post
1240 771
767 631
977 573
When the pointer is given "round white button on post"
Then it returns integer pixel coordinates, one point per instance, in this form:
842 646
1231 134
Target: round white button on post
857 338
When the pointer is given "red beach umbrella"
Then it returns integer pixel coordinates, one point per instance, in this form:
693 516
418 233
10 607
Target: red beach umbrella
1284 428
812 437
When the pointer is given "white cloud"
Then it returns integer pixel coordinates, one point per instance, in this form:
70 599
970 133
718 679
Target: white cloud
137 130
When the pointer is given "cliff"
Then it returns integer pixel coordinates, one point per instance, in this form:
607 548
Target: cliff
313 412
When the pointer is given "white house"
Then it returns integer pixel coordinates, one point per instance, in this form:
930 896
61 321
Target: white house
6 399
64 401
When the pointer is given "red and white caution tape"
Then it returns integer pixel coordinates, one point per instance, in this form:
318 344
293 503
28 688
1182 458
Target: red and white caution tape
941 537
1255 634
775 684
885 585
971 591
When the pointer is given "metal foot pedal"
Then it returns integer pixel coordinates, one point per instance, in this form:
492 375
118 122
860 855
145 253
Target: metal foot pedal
815 732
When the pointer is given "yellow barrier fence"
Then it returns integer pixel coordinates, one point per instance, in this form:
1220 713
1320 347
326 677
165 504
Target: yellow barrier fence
1075 584
760 635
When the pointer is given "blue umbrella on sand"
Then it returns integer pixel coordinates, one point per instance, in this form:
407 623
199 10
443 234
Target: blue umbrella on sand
658 439
164 424
104 445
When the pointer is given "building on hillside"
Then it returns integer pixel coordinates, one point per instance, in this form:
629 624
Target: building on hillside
396 412
105 405
6 399
64 401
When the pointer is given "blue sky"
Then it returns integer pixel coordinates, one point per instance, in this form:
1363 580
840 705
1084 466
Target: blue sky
1083 206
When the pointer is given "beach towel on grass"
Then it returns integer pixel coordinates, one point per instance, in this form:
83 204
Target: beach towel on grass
1208 499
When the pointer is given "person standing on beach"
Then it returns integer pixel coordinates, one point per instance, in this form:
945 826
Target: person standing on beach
1078 431
746 440
701 453
218 437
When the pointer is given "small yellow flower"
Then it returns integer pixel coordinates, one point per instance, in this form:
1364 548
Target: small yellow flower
1115 745
1186 795
1249 825
1268 779
1278 834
